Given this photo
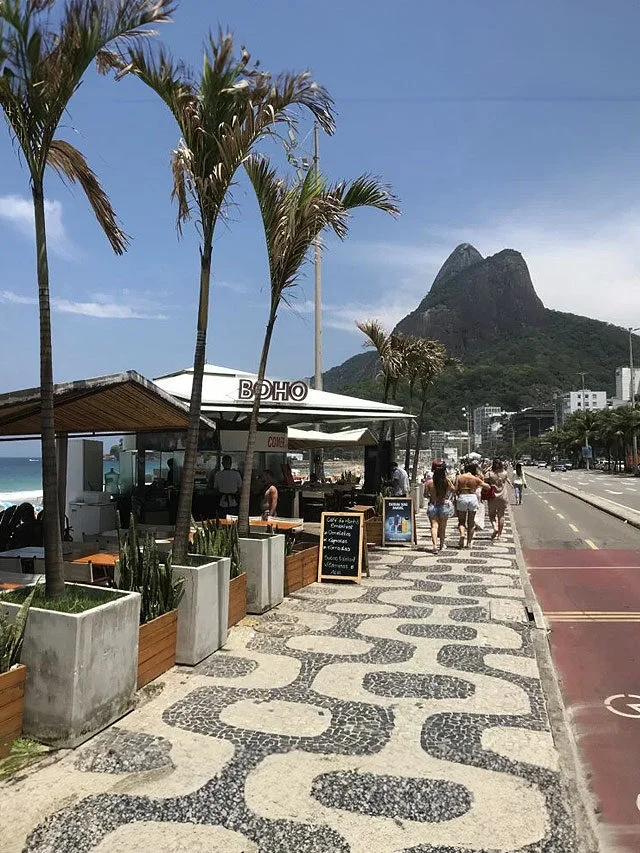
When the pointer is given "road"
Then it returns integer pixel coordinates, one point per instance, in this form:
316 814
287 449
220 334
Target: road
623 489
585 569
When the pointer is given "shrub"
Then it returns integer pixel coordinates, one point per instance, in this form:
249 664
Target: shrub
214 539
12 634
140 569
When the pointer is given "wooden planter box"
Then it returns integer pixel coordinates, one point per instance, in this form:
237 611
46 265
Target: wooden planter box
301 568
11 707
237 599
373 530
157 647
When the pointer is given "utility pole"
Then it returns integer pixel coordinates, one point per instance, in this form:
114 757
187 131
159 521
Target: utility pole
632 400
586 434
317 267
317 270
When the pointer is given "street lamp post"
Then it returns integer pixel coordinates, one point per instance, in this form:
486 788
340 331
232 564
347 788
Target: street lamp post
586 433
632 398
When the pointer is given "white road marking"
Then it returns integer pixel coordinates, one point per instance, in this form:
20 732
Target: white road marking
545 500
574 528
613 493
559 514
635 706
552 507
592 544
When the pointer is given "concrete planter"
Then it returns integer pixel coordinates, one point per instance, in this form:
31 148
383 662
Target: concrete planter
203 612
415 493
11 707
157 647
262 557
301 568
237 599
81 667
373 530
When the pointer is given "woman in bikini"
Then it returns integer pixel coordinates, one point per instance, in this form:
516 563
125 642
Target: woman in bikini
467 502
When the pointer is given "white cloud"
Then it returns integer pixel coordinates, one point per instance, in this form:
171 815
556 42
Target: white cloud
18 211
101 307
234 286
577 264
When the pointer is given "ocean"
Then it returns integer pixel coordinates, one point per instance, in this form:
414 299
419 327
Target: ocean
21 480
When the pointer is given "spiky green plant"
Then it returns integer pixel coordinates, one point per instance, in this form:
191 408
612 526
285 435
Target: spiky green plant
140 569
12 634
379 503
214 539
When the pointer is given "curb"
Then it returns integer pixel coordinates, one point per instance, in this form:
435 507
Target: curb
599 503
573 775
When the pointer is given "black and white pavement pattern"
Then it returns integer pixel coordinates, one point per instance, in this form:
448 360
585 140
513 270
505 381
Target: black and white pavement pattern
402 715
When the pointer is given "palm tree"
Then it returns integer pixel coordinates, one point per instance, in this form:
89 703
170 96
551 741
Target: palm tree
431 358
411 369
43 58
221 116
293 215
390 358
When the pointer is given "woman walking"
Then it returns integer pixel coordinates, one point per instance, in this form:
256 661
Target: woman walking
467 502
439 491
496 481
519 483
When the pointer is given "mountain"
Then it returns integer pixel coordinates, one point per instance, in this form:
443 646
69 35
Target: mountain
514 351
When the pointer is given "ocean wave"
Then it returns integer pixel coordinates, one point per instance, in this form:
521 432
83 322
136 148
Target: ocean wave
11 498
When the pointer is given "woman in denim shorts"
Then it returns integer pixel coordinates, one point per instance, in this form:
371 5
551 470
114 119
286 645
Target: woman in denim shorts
439 490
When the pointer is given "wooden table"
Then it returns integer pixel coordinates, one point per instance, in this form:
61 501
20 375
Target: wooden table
100 559
276 524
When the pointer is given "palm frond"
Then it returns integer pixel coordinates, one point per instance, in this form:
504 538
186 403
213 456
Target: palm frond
71 165
368 191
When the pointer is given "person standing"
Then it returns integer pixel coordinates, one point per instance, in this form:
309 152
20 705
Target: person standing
519 483
228 484
496 480
439 491
270 497
399 482
467 502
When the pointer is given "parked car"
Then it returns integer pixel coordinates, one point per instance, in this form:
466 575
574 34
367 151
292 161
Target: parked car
542 464
558 465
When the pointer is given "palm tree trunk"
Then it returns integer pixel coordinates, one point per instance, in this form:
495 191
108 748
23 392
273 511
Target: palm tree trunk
385 397
53 566
414 471
245 494
187 480
407 449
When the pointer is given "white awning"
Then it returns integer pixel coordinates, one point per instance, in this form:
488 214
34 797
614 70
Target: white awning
221 400
307 439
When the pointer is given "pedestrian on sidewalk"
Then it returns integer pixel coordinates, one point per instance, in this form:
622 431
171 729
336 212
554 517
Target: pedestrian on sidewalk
399 482
467 502
519 482
496 493
439 491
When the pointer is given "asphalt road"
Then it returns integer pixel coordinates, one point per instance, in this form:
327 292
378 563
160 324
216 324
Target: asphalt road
585 569
623 489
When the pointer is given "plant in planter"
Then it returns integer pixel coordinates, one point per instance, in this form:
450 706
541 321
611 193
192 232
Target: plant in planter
214 539
81 652
373 526
140 569
12 675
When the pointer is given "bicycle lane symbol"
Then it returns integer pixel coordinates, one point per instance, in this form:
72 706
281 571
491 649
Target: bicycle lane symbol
624 705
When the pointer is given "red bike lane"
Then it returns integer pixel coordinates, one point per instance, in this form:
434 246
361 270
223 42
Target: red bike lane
591 599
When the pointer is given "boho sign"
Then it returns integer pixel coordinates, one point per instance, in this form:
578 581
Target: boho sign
276 391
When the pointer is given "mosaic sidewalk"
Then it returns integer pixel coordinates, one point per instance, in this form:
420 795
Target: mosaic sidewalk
405 714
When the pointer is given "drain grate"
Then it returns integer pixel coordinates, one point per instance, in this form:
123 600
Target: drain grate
531 617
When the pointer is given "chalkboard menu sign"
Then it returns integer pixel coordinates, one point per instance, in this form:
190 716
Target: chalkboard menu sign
398 522
341 546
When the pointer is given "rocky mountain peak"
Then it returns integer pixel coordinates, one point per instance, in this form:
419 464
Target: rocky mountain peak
463 256
474 300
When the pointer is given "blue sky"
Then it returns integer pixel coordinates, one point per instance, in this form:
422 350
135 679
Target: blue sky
498 123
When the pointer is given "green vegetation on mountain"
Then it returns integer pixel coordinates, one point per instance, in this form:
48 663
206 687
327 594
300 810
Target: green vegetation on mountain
513 351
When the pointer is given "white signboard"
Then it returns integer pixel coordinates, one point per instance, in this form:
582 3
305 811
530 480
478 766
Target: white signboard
235 441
